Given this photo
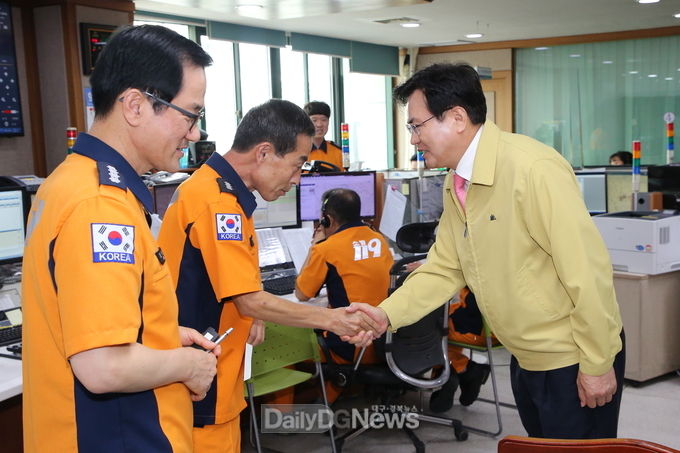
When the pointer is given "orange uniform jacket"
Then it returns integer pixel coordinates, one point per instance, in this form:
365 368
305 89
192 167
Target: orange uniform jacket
354 263
208 237
329 152
94 277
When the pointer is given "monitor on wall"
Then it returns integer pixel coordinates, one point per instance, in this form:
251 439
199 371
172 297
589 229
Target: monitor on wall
11 122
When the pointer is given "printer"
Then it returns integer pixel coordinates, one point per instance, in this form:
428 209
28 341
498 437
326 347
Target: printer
642 242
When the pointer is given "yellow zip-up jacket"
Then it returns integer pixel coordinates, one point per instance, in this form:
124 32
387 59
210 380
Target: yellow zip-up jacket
529 251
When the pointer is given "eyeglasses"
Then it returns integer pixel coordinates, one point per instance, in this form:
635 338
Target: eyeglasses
193 117
413 128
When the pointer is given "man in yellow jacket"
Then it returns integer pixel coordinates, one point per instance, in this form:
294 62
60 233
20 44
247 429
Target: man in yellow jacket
515 230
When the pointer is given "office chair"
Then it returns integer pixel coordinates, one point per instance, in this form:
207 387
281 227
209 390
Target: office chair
519 444
409 353
418 238
414 238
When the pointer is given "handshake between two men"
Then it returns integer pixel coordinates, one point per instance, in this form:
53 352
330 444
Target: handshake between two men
363 324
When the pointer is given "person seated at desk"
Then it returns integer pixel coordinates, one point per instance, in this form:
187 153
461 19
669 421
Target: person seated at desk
352 260
621 158
322 149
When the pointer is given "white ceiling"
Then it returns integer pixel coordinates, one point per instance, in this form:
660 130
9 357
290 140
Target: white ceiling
444 22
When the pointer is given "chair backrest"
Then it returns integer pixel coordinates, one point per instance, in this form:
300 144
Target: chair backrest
283 346
415 349
519 444
416 237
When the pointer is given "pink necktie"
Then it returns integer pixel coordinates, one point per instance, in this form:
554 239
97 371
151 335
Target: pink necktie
459 187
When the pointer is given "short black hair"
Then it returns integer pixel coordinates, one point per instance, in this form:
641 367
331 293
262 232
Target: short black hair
146 57
445 86
318 108
276 121
625 156
344 205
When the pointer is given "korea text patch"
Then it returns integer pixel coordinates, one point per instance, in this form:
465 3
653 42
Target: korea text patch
228 227
113 243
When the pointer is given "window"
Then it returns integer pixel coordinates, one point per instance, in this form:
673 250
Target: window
321 88
220 96
366 105
293 83
255 75
241 78
591 100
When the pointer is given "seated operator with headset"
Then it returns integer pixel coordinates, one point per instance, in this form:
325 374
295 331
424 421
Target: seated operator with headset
351 259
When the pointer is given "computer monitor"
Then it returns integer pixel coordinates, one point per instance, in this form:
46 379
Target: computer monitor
665 179
283 212
162 195
424 197
594 190
13 212
620 189
313 186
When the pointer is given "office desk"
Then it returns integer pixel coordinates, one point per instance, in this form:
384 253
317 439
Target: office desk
10 376
10 369
10 399
650 309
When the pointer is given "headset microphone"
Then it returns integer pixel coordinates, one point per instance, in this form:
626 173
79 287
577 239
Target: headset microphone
325 221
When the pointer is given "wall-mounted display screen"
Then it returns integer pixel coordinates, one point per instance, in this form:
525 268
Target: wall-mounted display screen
93 38
11 122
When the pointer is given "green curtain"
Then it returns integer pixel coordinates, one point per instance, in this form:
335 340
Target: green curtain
591 100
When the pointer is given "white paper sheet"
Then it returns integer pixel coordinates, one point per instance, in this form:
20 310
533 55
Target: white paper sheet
10 299
247 359
298 241
393 213
272 249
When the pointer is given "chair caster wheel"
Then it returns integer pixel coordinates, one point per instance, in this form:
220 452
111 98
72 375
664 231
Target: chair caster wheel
461 434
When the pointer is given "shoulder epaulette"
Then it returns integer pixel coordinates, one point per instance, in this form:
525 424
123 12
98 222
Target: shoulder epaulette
110 176
225 186
334 144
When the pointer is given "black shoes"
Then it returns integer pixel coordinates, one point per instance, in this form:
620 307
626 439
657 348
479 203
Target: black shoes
442 399
471 381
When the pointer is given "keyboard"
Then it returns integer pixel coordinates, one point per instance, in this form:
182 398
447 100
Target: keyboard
9 335
280 285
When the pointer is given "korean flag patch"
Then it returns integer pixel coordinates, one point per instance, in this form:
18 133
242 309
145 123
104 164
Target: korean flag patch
113 243
228 227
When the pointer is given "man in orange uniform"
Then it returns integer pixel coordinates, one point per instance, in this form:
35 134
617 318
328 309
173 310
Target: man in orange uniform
351 259
465 325
322 149
209 238
104 369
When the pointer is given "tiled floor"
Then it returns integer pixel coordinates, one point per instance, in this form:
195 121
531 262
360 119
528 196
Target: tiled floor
650 412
